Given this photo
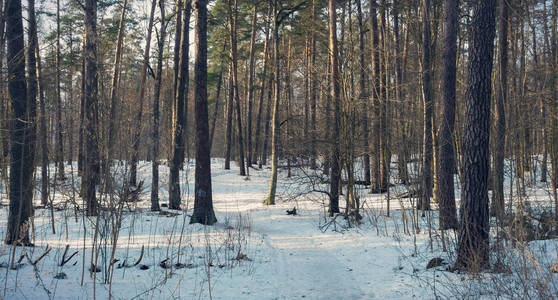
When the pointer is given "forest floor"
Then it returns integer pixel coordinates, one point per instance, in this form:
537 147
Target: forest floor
253 252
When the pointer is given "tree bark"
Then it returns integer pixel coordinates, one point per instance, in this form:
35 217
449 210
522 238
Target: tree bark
59 134
228 133
499 138
90 108
203 203
375 181
249 137
363 92
426 186
180 111
473 238
336 96
446 193
157 94
259 138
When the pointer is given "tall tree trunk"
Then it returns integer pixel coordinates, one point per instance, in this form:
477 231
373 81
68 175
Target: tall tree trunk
233 13
427 98
143 86
259 138
59 134
499 138
313 87
275 116
90 108
267 122
249 137
180 111
228 131
215 108
113 97
363 92
156 97
446 193
473 238
22 132
336 96
554 112
375 182
203 203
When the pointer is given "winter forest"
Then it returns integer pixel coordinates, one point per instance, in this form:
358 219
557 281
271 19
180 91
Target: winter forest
278 149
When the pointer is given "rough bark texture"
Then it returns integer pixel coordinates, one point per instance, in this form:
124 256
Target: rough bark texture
90 106
259 138
446 192
336 96
59 134
180 112
375 164
251 89
203 203
499 138
21 131
228 132
473 238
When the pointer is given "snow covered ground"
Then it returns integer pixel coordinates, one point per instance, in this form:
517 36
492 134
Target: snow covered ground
253 252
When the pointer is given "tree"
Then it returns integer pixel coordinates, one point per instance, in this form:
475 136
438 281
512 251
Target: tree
180 110
59 134
156 97
203 203
426 186
90 92
22 131
336 96
143 86
473 238
446 193
233 13
499 138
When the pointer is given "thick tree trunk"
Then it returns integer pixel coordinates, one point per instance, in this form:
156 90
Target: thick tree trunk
446 193
336 96
22 131
91 150
180 112
499 138
473 238
203 203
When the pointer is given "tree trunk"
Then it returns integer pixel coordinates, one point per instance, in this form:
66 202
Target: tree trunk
259 138
233 12
275 116
113 98
446 193
336 96
59 134
313 88
215 109
180 111
228 133
473 238
156 97
143 86
249 137
375 182
22 129
203 203
426 186
499 138
90 108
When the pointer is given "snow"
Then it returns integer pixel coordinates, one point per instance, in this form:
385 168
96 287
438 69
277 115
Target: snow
253 252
